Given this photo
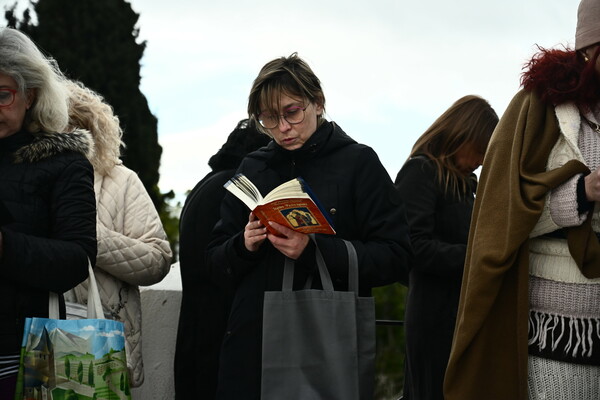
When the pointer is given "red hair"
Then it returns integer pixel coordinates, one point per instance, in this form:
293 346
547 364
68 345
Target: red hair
559 76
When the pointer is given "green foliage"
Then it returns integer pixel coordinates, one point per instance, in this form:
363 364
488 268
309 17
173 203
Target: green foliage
91 374
169 215
107 372
127 391
68 368
70 395
80 372
389 305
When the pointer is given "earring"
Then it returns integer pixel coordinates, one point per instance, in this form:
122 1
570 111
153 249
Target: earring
585 57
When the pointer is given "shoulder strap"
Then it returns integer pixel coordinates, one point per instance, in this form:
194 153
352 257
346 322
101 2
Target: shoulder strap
94 305
288 271
352 267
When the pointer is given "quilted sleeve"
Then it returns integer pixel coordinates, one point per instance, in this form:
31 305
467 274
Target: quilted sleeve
132 244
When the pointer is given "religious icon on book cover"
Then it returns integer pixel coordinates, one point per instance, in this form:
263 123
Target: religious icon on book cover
299 217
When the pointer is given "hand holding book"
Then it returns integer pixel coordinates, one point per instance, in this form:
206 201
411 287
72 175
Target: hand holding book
291 204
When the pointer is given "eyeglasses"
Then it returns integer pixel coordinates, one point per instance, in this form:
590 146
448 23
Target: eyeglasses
7 97
292 115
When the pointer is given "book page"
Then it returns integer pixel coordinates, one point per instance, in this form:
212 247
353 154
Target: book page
243 189
290 204
288 190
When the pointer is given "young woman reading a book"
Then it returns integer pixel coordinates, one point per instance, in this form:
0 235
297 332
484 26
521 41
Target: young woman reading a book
352 186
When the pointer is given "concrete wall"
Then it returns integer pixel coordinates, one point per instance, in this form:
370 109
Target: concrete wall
160 316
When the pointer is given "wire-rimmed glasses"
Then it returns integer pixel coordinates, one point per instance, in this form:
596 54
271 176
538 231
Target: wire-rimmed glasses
292 115
7 97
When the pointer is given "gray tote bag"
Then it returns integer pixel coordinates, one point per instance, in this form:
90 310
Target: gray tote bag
318 344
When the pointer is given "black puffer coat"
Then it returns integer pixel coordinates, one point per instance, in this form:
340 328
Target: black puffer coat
47 188
354 187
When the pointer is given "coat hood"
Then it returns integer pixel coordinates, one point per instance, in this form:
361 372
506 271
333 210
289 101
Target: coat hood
46 145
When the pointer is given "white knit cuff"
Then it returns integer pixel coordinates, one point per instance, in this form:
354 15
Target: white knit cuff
564 206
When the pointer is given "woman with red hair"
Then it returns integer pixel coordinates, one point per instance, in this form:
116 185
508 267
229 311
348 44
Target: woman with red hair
530 298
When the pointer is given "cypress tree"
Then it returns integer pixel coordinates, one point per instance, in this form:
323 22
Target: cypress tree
80 372
91 374
67 368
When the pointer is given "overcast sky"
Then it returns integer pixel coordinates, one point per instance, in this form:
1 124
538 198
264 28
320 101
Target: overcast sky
388 68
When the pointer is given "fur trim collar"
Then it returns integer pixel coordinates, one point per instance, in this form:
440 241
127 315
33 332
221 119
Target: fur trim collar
46 145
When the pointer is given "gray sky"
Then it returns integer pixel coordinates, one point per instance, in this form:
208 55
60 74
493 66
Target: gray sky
388 68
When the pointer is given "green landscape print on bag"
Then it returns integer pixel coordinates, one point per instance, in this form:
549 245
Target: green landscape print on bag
73 360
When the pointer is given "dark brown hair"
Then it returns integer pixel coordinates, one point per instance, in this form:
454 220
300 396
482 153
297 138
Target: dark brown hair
470 119
286 75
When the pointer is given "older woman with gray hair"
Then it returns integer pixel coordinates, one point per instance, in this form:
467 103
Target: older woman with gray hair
47 206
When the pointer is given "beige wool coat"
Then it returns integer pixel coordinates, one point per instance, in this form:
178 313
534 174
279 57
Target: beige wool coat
133 251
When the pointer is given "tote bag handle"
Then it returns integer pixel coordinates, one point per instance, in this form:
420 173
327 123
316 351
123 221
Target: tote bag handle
288 270
94 305
352 267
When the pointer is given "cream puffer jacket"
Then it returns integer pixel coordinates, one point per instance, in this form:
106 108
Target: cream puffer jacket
133 250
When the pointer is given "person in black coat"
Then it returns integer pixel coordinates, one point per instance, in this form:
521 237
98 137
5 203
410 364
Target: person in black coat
205 303
352 186
437 186
48 223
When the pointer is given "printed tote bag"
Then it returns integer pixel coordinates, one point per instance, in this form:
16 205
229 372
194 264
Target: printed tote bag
80 359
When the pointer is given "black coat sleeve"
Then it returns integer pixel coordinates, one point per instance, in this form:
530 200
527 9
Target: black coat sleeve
198 218
227 259
58 262
380 231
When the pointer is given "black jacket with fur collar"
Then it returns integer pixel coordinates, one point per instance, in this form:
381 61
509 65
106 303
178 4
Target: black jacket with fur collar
48 224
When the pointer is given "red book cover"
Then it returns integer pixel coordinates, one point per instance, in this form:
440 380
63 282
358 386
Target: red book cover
301 215
291 204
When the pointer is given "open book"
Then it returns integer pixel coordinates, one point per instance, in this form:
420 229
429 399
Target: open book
290 204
